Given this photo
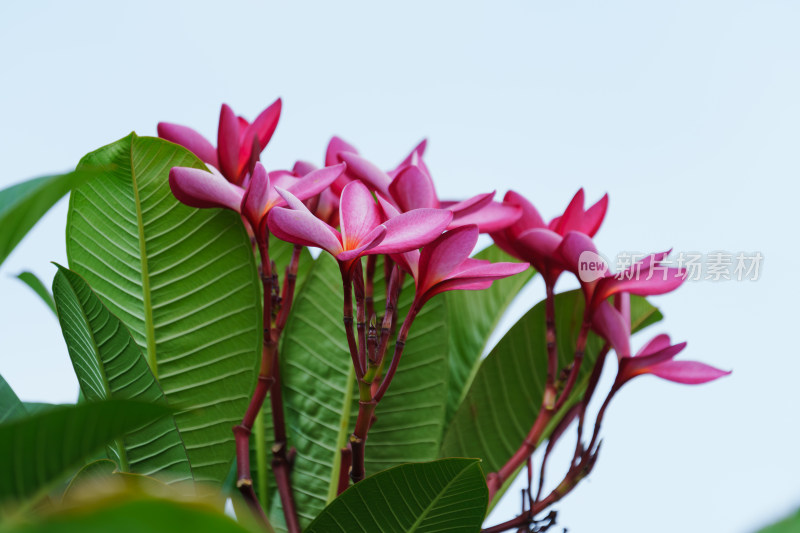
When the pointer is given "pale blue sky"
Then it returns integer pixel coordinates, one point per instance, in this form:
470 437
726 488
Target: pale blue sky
685 112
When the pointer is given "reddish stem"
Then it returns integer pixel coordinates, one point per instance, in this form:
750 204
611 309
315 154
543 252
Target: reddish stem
344 469
552 347
347 318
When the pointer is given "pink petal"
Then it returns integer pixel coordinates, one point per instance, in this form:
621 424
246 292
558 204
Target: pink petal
316 181
296 224
658 343
542 243
228 144
412 189
571 248
530 217
335 146
478 276
622 303
189 139
364 170
388 210
642 363
470 205
594 216
688 372
640 285
573 215
445 254
301 168
358 214
412 158
264 125
370 241
491 218
610 324
256 198
200 188
413 230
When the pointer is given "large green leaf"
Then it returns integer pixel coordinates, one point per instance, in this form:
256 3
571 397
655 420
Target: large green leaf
182 280
474 316
506 394
109 365
410 420
446 495
36 285
317 389
129 514
23 204
41 449
790 524
10 406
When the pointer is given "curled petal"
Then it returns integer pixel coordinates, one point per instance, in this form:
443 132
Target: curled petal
388 210
572 217
656 344
336 145
358 214
571 248
688 372
413 158
228 143
491 218
660 283
594 216
413 230
642 363
256 198
200 188
412 189
370 241
530 217
296 224
263 127
315 181
189 139
362 169
610 324
470 205
301 168
442 256
542 244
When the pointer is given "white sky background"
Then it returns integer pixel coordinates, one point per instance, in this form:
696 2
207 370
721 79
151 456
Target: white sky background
686 112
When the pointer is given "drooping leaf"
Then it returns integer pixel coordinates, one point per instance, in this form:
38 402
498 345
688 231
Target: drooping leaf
473 317
41 449
448 495
10 406
23 204
92 472
507 391
130 514
184 283
110 365
30 279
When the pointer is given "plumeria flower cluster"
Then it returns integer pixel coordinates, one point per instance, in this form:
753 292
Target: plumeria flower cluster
360 214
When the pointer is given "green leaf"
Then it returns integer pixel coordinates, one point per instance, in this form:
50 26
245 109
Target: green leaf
445 495
10 406
41 449
30 279
317 377
474 316
410 419
109 365
93 472
790 524
184 283
507 391
130 514
23 204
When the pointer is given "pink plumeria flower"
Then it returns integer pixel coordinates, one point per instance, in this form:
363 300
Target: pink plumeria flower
362 233
531 239
239 142
644 278
325 206
200 188
410 186
445 265
656 357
